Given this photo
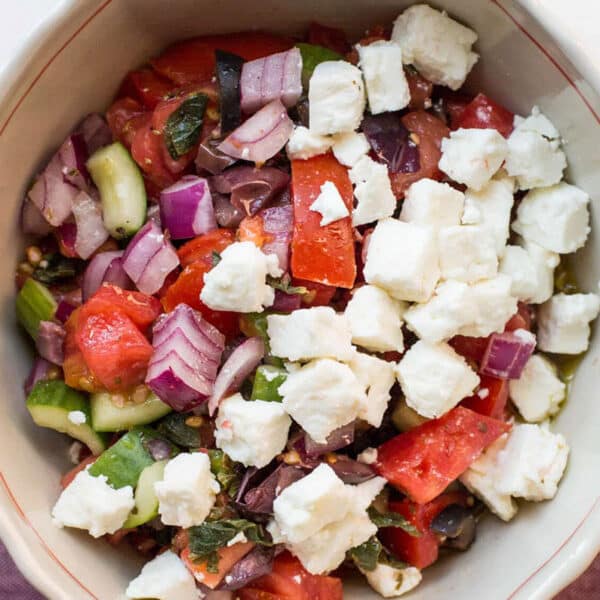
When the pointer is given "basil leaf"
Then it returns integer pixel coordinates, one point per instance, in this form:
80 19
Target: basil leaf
216 258
55 268
284 284
227 472
183 127
392 519
366 556
312 55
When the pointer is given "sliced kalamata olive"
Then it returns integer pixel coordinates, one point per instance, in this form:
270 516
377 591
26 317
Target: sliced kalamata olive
457 524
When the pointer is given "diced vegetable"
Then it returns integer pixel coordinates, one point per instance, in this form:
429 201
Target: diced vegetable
278 224
484 113
124 117
95 131
40 371
425 460
91 233
121 189
32 220
146 502
52 404
267 380
491 399
312 55
201 249
506 354
49 341
229 71
34 304
321 254
146 86
105 267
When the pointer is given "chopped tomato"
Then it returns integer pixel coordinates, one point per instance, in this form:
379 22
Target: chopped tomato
484 113
430 131
289 580
68 477
228 556
372 35
419 551
321 254
193 61
491 399
146 86
251 230
471 348
320 294
328 37
455 104
422 462
521 320
202 247
124 118
420 89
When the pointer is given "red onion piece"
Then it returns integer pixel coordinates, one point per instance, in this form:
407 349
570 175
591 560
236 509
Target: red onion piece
243 360
159 449
149 258
286 302
278 223
49 342
258 562
262 136
73 154
186 208
67 236
351 471
274 77
64 310
339 438
507 353
153 214
105 267
91 233
39 372
32 220
96 132
210 159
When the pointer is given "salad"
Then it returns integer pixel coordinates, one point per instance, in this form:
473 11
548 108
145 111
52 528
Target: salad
302 309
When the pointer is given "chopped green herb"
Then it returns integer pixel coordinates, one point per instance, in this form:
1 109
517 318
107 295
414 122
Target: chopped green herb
183 127
55 268
227 472
392 519
284 284
370 553
312 55
216 258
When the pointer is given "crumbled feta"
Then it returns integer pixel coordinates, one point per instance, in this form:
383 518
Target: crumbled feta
322 396
164 578
429 202
330 204
373 191
534 154
438 46
368 456
556 218
336 98
377 376
91 503
252 433
391 582
387 88
304 143
299 335
532 463
434 378
349 147
472 156
538 392
563 322
491 208
402 258
187 490
238 282
77 417
467 253
238 538
74 452
375 319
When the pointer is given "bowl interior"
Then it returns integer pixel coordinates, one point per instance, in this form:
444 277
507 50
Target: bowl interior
74 67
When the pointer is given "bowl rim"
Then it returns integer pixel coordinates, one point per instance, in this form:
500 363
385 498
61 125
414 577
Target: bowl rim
573 563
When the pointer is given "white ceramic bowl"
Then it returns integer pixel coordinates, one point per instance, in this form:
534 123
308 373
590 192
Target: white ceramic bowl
73 63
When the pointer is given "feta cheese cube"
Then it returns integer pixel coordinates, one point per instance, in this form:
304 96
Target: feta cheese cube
563 322
555 217
534 154
472 156
431 203
440 318
375 319
438 46
165 578
252 433
322 396
538 392
238 282
368 456
373 191
491 208
329 204
300 335
532 463
336 98
467 253
391 582
387 88
377 377
187 490
434 378
349 147
403 259
91 503
304 143
480 479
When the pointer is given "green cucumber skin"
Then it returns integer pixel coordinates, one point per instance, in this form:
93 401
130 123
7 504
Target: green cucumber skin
34 303
146 502
106 416
266 383
50 403
122 190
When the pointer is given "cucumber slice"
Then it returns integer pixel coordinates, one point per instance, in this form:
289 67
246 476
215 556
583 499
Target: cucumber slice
34 303
266 383
51 402
146 502
123 463
122 190
107 416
